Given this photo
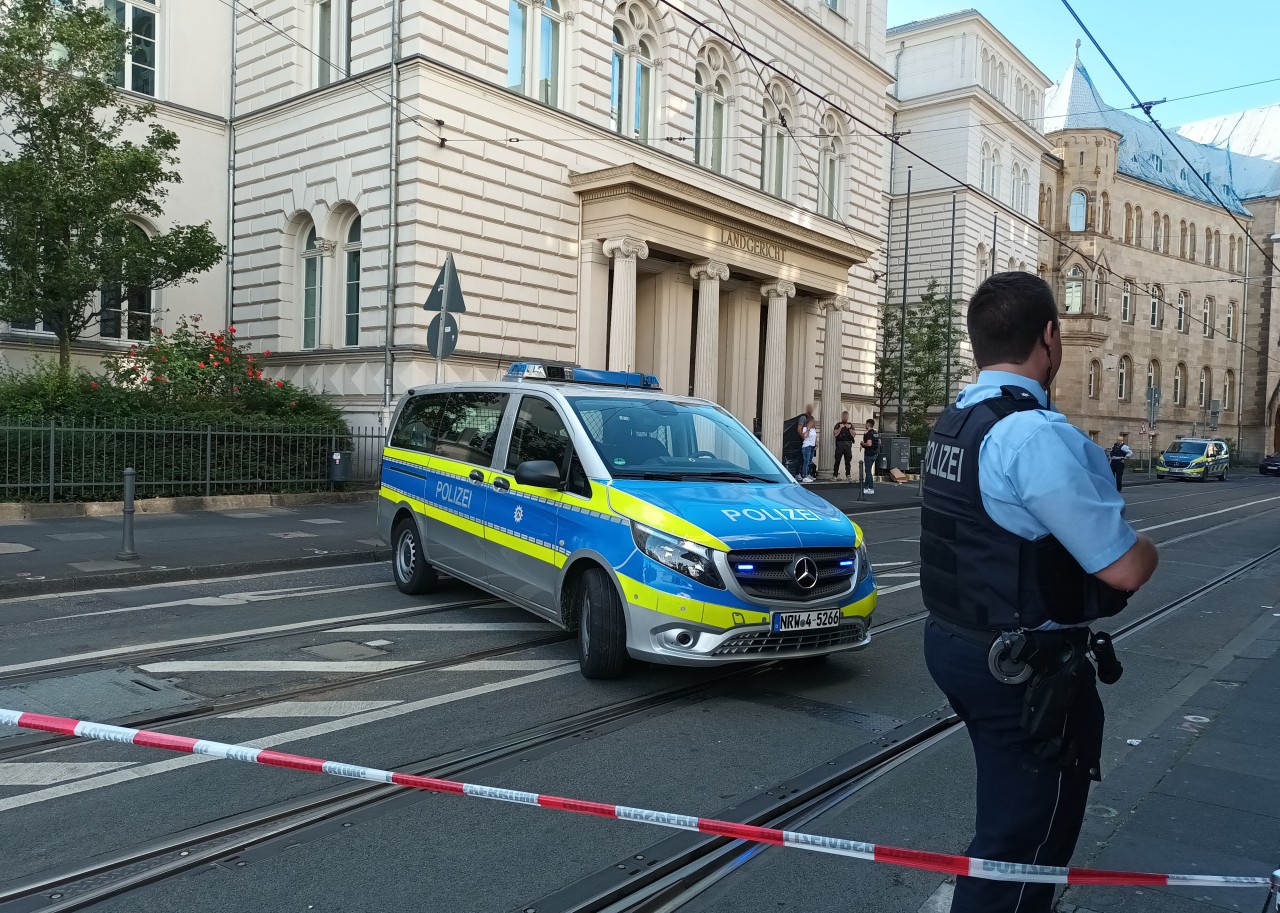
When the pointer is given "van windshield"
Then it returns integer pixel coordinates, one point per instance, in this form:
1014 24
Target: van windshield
1194 448
668 439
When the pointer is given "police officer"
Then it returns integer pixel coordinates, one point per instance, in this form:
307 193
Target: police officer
1119 455
1023 543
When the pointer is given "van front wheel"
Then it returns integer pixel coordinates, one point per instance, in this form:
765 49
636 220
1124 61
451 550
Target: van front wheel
413 575
602 627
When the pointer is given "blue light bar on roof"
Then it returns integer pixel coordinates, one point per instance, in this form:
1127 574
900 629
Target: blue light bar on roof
561 373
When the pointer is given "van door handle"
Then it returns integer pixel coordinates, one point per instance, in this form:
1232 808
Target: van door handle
476 475
501 483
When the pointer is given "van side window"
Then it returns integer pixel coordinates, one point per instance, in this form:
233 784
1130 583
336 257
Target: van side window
539 434
418 423
469 424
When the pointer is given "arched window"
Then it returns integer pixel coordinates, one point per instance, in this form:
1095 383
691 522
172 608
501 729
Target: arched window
1128 224
1002 86
351 285
1206 387
125 312
1231 320
775 175
1137 225
984 262
1126 302
984 178
996 174
1231 253
1106 213
1217 249
712 87
1076 211
1180 384
1208 247
1228 390
328 25
831 183
635 45
1122 378
1095 371
1013 264
1153 375
535 31
1157 298
1155 232
984 72
1073 302
1243 259
1206 322
1182 312
1164 235
1100 291
1182 239
1191 241
312 290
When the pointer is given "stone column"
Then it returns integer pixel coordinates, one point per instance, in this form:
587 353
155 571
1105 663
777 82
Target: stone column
593 305
775 364
832 362
706 367
622 326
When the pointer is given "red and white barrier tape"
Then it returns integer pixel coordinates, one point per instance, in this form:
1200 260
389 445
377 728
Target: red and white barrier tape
942 863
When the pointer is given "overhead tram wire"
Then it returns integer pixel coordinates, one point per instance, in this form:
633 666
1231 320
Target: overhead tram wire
957 182
1146 109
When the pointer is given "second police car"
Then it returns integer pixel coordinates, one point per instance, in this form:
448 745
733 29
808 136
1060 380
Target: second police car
655 526
1194 458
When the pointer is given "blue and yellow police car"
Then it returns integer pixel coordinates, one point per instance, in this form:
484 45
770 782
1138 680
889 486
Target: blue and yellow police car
655 526
1194 458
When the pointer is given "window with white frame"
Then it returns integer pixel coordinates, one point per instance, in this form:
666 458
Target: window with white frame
1073 302
1094 370
1206 385
1122 378
1182 312
1228 390
1099 291
1153 374
1231 320
984 262
351 285
1206 319
984 178
329 28
1126 301
775 173
712 87
125 312
996 174
1076 212
1157 299
312 290
1155 232
535 37
831 167
635 48
1180 385
136 71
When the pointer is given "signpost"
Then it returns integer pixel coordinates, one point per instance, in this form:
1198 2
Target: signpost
1215 410
1153 414
445 297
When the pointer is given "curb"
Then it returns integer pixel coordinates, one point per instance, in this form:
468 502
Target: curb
23 588
61 510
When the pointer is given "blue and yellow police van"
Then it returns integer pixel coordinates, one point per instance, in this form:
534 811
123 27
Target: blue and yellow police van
1195 458
654 526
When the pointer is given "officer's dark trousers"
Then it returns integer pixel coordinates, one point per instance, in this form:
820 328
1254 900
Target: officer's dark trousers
1117 469
1027 811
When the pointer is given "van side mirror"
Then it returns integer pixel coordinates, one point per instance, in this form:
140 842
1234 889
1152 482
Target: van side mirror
538 474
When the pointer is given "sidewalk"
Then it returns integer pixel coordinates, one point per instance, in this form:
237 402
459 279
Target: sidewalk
77 553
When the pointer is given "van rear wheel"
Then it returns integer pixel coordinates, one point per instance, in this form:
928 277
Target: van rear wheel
413 575
602 627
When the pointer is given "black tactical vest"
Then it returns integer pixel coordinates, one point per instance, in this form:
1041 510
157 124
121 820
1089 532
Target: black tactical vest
973 572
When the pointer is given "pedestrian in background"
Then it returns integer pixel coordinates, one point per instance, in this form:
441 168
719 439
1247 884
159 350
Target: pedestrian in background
870 450
809 450
1119 455
1023 543
844 446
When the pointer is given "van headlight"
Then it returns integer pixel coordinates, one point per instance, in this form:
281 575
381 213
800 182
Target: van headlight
682 556
864 564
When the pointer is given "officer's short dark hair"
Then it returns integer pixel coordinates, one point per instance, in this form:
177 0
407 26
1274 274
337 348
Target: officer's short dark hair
1007 315
871 422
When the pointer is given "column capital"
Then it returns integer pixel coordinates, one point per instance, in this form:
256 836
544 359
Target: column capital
626 248
838 303
325 246
710 269
780 288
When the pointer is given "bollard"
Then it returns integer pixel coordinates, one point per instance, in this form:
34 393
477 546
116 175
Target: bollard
127 551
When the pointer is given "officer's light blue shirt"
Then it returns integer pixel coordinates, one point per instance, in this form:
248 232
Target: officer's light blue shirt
1040 476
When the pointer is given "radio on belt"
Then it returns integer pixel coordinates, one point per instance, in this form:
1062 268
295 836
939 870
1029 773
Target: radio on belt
653 525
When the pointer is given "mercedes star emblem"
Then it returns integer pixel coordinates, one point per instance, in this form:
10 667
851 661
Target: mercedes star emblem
805 573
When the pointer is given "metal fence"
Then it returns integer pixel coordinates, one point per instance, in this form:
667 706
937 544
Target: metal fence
52 461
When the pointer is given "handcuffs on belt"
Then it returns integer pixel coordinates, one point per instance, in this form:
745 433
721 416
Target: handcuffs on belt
1017 655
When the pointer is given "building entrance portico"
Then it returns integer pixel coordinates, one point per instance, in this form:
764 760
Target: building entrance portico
720 299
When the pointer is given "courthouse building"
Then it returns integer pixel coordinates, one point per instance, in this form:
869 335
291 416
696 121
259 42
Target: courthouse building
618 185
1150 271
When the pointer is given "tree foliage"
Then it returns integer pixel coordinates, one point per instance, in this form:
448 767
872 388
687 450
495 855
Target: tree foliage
80 166
919 357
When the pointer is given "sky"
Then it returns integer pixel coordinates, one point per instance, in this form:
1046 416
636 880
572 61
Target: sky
1164 48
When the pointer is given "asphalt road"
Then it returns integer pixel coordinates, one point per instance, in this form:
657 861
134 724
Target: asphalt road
336 663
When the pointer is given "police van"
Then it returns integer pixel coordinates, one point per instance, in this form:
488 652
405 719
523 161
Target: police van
1194 458
655 526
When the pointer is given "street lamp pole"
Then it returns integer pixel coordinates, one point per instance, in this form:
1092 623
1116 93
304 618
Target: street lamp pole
902 324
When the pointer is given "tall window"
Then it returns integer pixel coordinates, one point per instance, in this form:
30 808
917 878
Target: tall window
831 168
1231 253
1126 302
1122 378
137 69
1094 370
351 286
1182 312
1191 241
1128 224
1153 375
710 112
1155 232
1099 291
1231 320
1228 390
1206 321
996 175
1164 235
534 38
1208 247
1076 212
1182 239
1106 213
1025 184
1206 386
984 262
126 312
1180 385
312 290
1217 248
775 173
1156 298
329 27
635 46
1137 225
984 179
1074 298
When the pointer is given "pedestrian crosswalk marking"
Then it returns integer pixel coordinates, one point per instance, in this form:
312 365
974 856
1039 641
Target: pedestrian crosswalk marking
47 773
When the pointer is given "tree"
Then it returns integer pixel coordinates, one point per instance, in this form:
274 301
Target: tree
75 179
921 357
